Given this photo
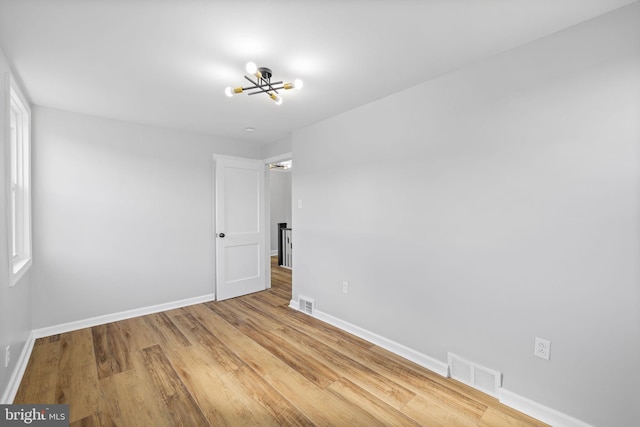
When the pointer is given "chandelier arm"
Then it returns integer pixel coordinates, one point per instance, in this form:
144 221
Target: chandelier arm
261 85
264 88
252 81
267 82
271 87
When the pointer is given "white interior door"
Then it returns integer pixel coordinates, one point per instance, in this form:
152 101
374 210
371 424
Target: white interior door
240 227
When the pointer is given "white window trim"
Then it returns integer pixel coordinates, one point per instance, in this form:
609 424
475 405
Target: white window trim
20 258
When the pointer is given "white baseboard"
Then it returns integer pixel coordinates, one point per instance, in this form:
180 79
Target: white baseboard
23 360
394 347
18 371
538 411
274 253
108 318
508 398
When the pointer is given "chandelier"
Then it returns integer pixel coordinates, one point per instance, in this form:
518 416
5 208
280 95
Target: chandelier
263 84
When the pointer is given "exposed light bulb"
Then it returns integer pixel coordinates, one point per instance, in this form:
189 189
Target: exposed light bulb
297 84
251 68
275 98
230 91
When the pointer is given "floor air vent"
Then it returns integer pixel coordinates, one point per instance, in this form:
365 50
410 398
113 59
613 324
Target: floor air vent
307 305
478 377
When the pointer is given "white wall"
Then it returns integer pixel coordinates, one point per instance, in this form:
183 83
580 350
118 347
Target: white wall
489 206
280 202
15 314
122 215
277 148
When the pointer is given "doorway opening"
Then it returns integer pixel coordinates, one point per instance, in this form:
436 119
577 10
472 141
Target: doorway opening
280 210
281 281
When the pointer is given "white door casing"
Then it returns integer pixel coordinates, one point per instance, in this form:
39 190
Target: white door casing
240 227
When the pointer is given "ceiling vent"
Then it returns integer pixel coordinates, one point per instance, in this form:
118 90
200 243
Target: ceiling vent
474 375
307 305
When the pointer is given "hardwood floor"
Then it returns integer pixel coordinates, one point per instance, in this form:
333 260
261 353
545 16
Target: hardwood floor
246 361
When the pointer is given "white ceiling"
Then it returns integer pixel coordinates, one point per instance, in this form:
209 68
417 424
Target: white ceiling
167 62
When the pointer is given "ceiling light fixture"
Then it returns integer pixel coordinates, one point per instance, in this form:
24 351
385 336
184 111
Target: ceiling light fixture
284 165
263 84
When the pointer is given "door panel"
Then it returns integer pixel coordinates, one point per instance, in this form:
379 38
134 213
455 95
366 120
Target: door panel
242 206
242 262
240 227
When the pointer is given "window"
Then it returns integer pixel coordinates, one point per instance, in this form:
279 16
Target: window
19 181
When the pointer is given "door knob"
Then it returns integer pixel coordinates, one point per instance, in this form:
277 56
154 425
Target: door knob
221 235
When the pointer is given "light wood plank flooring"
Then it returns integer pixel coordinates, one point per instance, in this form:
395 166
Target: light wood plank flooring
246 361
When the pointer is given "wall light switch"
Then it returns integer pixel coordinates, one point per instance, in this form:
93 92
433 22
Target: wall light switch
299 203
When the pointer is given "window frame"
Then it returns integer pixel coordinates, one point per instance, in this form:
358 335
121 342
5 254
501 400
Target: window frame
18 147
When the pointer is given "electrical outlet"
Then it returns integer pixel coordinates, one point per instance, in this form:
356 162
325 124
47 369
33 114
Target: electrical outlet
345 287
7 356
542 348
